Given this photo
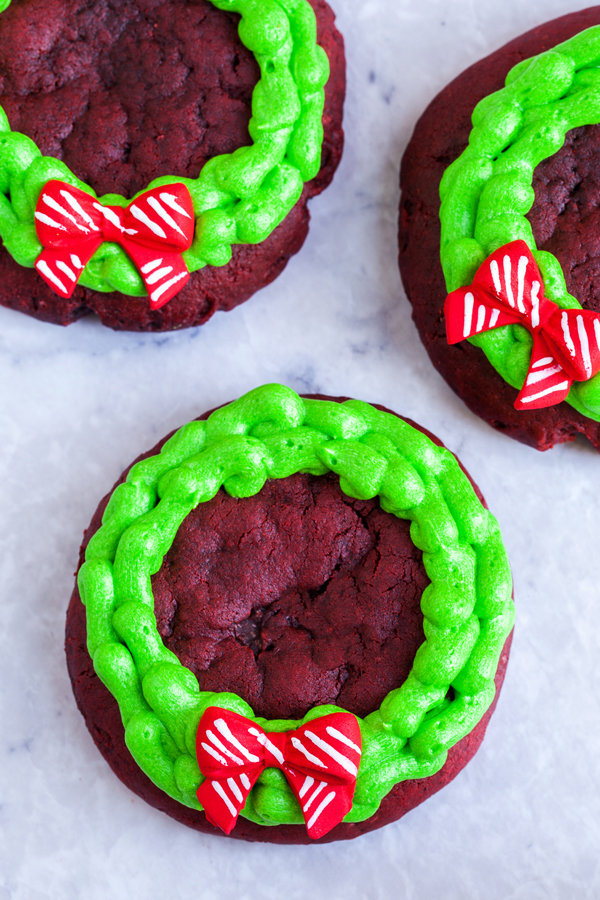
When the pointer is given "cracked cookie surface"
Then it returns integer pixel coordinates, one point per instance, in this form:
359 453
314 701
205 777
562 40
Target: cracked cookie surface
565 217
296 597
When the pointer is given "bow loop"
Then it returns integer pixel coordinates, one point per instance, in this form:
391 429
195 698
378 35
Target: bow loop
575 337
326 745
162 218
508 289
154 229
320 761
228 741
66 216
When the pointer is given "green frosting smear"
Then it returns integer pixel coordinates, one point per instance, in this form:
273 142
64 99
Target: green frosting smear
239 198
273 433
487 192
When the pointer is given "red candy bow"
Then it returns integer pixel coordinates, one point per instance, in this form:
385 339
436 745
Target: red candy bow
508 289
320 760
153 230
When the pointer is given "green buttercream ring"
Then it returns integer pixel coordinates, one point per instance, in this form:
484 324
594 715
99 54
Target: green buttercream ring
273 433
238 198
487 192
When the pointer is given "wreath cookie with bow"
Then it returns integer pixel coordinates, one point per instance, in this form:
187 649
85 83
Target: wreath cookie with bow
204 755
514 234
217 142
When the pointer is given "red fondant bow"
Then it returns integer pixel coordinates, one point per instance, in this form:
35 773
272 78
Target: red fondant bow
508 289
320 760
153 230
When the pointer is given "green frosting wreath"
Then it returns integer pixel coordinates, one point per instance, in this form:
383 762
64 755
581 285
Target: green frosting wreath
487 192
272 433
238 198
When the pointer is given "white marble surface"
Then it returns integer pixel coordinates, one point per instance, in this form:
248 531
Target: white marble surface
76 405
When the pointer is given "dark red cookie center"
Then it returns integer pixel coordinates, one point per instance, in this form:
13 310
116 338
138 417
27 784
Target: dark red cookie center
565 217
295 597
106 86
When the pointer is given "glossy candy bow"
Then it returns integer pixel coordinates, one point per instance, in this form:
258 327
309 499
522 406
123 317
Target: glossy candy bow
320 760
508 289
153 230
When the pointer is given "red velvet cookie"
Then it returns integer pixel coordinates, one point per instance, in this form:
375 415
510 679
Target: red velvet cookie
295 597
125 93
563 220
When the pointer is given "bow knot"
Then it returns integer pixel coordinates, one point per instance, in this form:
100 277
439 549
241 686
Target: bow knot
320 761
154 230
507 290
